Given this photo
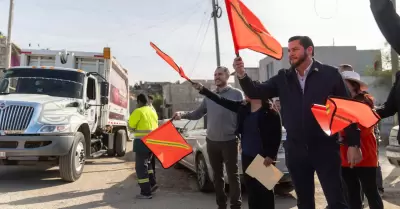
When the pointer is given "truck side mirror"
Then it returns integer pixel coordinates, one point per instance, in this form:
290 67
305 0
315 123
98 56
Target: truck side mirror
4 85
104 89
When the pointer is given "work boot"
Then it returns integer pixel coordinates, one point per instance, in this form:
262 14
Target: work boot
143 197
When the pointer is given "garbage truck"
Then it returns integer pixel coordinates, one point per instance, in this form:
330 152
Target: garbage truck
62 107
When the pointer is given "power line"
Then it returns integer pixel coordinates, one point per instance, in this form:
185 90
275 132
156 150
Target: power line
185 21
201 47
197 35
195 7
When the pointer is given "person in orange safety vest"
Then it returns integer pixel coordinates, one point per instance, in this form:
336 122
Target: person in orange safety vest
363 175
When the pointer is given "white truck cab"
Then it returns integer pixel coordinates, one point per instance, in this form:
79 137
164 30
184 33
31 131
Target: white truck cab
63 107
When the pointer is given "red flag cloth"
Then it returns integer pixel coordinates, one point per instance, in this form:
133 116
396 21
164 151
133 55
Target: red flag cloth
167 144
170 61
249 33
338 113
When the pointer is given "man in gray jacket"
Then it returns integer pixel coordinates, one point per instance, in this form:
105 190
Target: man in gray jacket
222 143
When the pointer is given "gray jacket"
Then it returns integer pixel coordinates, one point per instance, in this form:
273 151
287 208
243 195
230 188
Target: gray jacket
221 122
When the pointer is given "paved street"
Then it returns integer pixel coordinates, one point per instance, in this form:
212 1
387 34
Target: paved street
110 183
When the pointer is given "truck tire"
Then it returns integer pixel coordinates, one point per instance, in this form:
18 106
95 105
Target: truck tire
120 142
72 164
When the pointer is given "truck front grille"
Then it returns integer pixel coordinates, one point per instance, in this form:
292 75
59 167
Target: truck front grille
15 117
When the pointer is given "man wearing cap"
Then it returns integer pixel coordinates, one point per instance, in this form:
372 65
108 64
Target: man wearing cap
308 148
222 143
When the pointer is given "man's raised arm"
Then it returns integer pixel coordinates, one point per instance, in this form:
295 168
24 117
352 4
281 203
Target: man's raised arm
254 90
388 21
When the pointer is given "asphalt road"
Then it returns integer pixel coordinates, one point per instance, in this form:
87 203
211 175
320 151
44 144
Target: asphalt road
110 183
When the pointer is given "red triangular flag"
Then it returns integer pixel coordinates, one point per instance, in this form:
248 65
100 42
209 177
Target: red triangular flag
249 33
167 144
170 61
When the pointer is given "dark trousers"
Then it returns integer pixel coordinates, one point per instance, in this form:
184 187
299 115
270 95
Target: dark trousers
220 153
153 166
145 176
364 177
303 162
259 197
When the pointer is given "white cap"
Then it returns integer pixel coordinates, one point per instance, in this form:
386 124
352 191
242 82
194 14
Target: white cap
354 76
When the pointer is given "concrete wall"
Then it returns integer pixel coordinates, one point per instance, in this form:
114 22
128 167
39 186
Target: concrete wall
253 72
183 97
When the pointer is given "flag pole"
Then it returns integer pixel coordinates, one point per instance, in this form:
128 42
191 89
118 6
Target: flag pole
215 16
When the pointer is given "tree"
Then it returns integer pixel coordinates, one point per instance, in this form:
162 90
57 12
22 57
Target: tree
384 75
158 102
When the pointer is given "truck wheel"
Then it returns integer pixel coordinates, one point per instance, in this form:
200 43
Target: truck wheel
120 142
71 164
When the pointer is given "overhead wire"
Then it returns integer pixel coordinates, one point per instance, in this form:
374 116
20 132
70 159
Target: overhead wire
181 25
202 23
201 47
165 20
191 9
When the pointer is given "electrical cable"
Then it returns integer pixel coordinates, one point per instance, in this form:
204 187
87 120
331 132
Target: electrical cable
326 18
197 35
169 33
201 47
190 9
165 20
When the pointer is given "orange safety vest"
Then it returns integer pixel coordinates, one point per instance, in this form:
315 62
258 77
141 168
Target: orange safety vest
338 113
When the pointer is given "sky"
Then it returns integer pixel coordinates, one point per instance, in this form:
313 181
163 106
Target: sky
181 28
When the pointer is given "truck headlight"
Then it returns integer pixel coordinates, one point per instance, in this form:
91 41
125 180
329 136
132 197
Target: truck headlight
54 119
55 129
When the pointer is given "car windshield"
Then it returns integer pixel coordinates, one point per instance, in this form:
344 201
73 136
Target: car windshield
59 83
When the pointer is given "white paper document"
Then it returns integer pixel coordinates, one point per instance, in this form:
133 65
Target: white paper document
268 176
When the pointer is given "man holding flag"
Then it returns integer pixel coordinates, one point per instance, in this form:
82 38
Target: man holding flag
222 143
309 149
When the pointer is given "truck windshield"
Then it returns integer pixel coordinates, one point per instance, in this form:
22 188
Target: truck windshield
60 83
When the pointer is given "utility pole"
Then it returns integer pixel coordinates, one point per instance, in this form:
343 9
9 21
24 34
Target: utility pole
9 44
215 16
394 58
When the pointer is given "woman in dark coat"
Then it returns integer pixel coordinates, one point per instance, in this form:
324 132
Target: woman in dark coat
260 130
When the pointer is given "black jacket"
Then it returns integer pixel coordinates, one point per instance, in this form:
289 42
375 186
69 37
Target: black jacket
301 127
269 123
389 23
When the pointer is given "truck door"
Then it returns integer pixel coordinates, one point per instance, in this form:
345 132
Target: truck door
92 98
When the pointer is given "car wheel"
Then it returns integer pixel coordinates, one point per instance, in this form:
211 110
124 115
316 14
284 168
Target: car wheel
203 180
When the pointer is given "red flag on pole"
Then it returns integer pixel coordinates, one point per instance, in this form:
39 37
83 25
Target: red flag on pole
249 33
167 144
170 61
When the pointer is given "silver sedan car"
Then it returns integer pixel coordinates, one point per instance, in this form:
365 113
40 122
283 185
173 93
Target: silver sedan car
194 131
